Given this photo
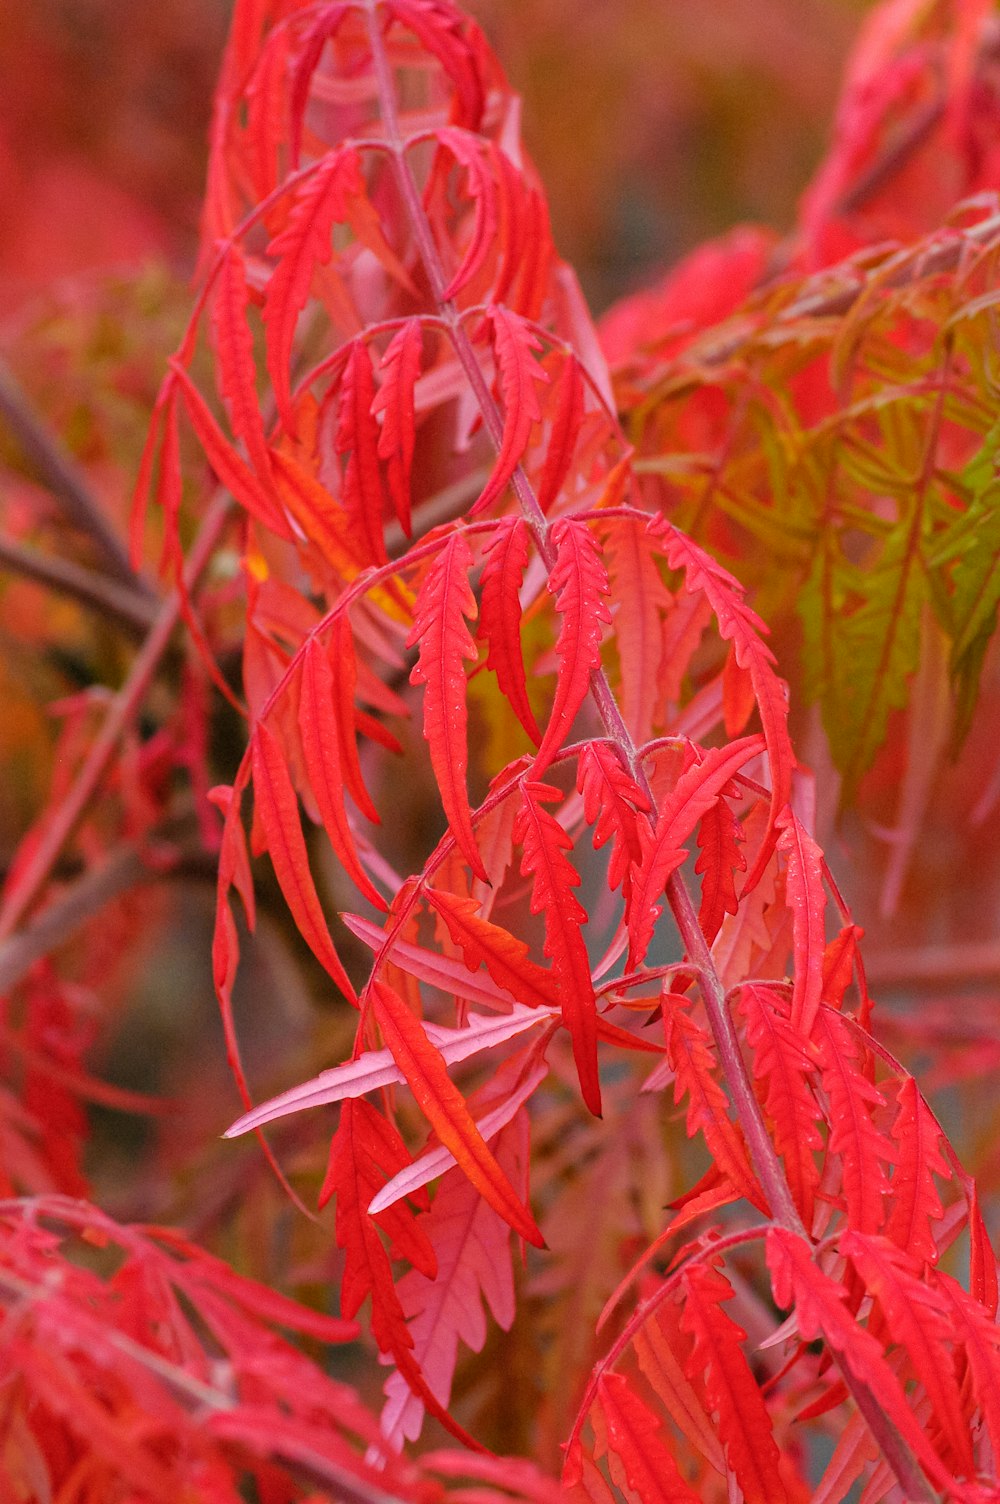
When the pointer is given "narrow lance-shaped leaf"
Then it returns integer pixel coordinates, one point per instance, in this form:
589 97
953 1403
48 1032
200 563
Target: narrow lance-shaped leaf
640 603
744 629
919 1321
916 1205
505 957
719 1360
655 1343
358 437
344 666
320 747
780 1062
719 859
365 1149
514 344
277 810
663 851
692 1059
374 1069
579 582
612 803
819 1303
444 602
305 244
545 843
500 617
237 373
561 444
436 1162
807 900
638 1450
468 151
443 972
444 1107
325 26
394 399
863 1149
234 473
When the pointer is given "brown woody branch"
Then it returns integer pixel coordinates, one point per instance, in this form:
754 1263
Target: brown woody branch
132 608
121 712
127 867
56 469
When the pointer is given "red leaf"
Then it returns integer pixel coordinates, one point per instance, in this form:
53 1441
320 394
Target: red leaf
691 1057
321 749
657 1343
820 1311
468 150
863 1149
561 445
740 626
471 1243
233 472
505 957
358 438
277 811
438 1161
982 1259
640 603
612 802
235 366
344 666
915 1200
579 582
444 1108
720 858
399 370
918 1318
440 971
514 344
304 244
545 841
440 29
366 1149
374 1069
693 795
645 1465
268 125
977 1331
806 898
782 1065
743 1420
444 602
325 26
500 620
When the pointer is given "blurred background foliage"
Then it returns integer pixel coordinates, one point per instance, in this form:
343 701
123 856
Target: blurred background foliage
654 125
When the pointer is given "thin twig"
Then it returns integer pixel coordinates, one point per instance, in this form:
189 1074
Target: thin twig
133 609
122 711
60 474
127 867
935 965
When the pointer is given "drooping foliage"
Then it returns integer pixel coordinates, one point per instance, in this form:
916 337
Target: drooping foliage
609 1106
